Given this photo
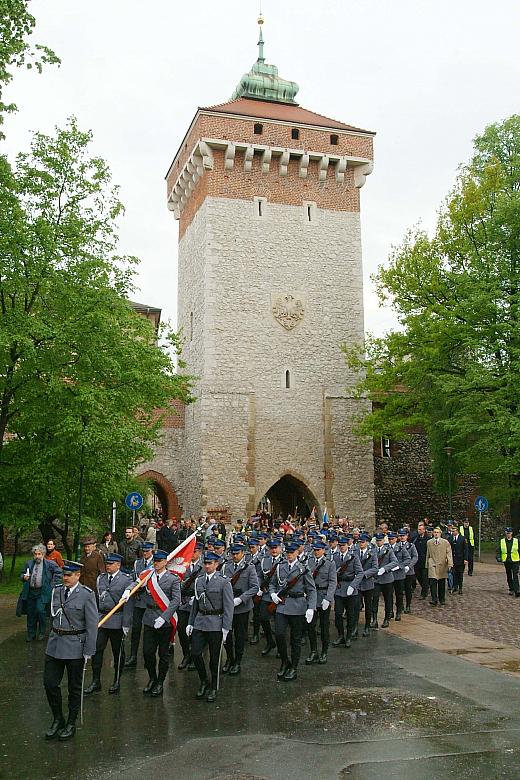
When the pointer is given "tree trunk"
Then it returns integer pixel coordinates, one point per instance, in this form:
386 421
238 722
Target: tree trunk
514 501
15 552
64 535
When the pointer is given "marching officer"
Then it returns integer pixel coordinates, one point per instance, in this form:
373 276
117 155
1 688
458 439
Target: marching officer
269 565
508 553
183 613
349 574
333 546
72 641
368 561
409 580
211 620
263 549
256 559
324 574
244 582
163 597
111 585
219 547
139 602
293 592
384 580
403 559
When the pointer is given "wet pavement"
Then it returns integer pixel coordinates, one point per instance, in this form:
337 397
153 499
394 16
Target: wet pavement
386 708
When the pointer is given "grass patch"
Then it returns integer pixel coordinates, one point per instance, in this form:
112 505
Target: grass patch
10 584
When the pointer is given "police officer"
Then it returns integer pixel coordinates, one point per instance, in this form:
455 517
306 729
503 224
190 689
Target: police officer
384 579
211 620
268 568
333 545
323 572
219 547
111 585
244 582
194 570
163 597
508 553
293 591
368 561
139 602
349 574
409 580
72 641
255 558
403 559
467 532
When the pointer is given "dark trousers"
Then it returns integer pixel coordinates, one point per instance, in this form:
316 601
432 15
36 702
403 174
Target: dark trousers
471 558
512 576
182 621
398 593
422 578
115 635
199 641
438 590
157 641
236 639
52 677
387 589
256 619
323 615
409 582
458 576
36 613
348 605
137 624
295 624
265 622
366 598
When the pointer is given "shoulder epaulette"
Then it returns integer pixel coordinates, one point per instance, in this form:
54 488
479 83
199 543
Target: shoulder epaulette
86 587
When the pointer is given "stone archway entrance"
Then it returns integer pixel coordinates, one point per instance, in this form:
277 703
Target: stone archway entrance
289 494
165 493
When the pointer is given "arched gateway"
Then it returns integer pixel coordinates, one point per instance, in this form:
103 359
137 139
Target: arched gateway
290 495
165 493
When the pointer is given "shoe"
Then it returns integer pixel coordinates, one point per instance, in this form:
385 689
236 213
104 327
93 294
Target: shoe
354 634
442 603
348 643
94 686
385 623
184 663
323 658
407 610
267 649
517 595
433 603
114 688
290 674
283 669
460 591
41 637
375 625
449 590
227 666
157 689
235 669
470 574
131 663
68 732
57 725
204 688
366 631
392 616
32 638
339 641
212 695
313 658
511 593
398 616
254 639
149 686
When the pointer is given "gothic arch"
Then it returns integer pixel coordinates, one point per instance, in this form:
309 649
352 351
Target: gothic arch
288 491
165 493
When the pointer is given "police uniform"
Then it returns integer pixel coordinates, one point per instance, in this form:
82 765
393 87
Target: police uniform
268 569
349 573
193 571
368 561
383 581
256 560
110 588
72 640
409 581
139 602
403 559
323 572
244 582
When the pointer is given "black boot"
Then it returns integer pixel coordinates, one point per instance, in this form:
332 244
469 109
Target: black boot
348 643
149 686
203 689
313 657
114 688
184 663
407 610
57 725
67 732
398 616
270 646
385 623
354 634
339 641
285 665
235 668
132 662
230 661
94 686
212 695
323 657
157 688
254 639
290 674
366 631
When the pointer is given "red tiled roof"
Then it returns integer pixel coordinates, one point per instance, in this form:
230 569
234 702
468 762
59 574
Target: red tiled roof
284 112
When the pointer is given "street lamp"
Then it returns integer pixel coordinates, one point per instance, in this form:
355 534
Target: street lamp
449 452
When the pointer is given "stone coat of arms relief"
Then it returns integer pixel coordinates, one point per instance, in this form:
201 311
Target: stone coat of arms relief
288 310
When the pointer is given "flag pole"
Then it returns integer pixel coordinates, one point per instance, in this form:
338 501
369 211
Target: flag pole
145 579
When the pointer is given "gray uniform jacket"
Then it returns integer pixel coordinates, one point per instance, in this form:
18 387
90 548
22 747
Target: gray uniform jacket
212 608
256 560
79 613
403 559
170 584
140 597
246 585
110 594
414 557
368 560
265 567
193 571
302 595
332 552
385 560
324 575
351 576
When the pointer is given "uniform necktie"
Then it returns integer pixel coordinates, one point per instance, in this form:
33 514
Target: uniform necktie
67 592
207 580
109 579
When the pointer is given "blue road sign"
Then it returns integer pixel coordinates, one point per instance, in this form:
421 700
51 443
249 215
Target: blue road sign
481 504
134 501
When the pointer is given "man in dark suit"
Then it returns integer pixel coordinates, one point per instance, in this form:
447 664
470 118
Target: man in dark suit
459 549
420 541
39 577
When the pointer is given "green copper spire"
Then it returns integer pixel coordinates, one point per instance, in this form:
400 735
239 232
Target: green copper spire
263 82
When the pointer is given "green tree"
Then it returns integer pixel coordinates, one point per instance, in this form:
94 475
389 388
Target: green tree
454 364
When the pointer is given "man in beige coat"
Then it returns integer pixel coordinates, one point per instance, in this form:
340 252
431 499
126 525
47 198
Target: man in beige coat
438 560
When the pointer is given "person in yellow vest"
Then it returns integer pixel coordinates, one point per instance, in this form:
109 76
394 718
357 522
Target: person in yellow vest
466 531
509 553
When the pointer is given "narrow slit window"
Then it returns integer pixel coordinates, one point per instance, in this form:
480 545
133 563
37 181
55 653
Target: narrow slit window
309 213
260 208
287 380
258 128
334 140
295 134
191 326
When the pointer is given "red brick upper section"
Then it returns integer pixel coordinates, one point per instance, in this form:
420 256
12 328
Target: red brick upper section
174 416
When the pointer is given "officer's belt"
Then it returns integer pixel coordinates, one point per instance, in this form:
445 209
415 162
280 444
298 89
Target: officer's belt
325 587
211 612
69 631
292 595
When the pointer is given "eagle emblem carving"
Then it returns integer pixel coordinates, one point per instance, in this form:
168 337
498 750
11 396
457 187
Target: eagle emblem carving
288 310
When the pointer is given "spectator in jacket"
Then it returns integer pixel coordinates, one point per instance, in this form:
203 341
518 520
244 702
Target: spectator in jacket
459 551
130 549
93 563
39 577
438 560
167 537
420 540
108 544
53 554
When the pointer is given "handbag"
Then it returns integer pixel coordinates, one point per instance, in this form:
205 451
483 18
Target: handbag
21 606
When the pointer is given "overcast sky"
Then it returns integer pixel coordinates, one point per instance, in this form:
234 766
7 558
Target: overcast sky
427 76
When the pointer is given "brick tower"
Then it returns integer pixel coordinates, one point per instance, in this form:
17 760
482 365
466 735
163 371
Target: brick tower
270 284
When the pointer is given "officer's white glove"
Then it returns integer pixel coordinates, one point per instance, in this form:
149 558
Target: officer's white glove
237 600
325 604
350 590
189 630
126 595
260 593
276 598
396 568
225 632
191 600
87 657
381 571
125 630
309 615
159 622
407 569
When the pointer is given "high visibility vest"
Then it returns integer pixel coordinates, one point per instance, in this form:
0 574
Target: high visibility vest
471 534
515 555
